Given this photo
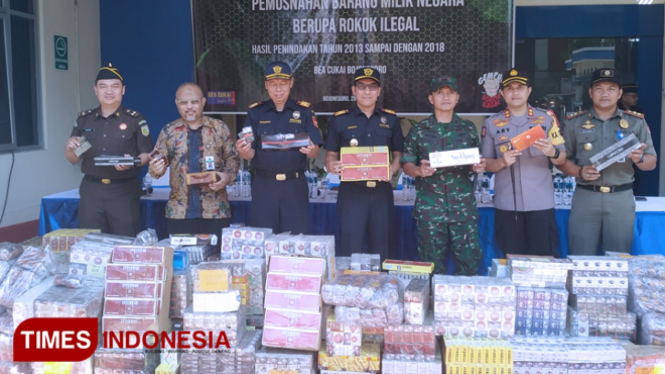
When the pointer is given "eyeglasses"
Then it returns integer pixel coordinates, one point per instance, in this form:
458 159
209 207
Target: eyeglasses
186 102
365 87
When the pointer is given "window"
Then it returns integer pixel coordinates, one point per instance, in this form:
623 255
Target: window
19 126
562 68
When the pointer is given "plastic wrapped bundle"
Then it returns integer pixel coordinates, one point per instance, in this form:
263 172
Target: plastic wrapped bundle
60 301
367 361
644 359
6 323
371 317
125 360
146 237
24 304
239 360
411 340
81 367
15 368
109 238
256 269
9 251
90 258
244 243
647 286
212 277
6 347
621 327
363 291
416 301
181 294
653 329
232 323
399 364
30 269
64 239
269 360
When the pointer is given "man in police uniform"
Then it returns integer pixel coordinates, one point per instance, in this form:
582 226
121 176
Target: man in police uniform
629 98
603 207
524 220
445 208
279 188
110 194
365 209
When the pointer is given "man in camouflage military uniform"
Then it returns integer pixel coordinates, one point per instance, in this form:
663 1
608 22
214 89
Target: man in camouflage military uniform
445 208
603 207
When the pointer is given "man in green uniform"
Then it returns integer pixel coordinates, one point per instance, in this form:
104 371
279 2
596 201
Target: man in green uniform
445 208
110 194
603 207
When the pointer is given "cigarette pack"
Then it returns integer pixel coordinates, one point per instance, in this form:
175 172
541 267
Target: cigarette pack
527 138
137 254
293 319
156 155
122 323
364 156
293 300
410 266
140 290
213 277
366 173
289 282
121 272
297 265
131 307
205 177
291 338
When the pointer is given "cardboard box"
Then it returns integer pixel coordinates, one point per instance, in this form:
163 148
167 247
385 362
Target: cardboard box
64 239
365 173
138 254
410 266
290 282
204 178
141 290
131 307
293 319
297 265
364 156
217 302
121 272
291 338
527 138
305 302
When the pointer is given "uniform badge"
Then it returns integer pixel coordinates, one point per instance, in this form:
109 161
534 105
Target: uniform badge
484 131
353 142
503 138
588 125
145 130
123 126
588 146
384 119
316 124
502 123
623 123
503 148
296 114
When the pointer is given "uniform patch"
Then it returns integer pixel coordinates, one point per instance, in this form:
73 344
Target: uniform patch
538 121
503 148
296 114
123 126
352 127
588 125
587 131
530 112
304 103
389 111
141 122
501 123
339 113
254 105
503 138
623 123
145 130
384 119
264 122
635 114
573 115
384 125
555 135
316 124
483 133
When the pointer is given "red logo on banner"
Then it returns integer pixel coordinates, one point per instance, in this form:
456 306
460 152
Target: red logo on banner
55 339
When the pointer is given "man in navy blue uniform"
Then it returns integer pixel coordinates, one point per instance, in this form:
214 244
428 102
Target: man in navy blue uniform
279 187
365 209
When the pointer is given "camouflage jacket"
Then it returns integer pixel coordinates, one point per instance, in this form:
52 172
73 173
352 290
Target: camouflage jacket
446 196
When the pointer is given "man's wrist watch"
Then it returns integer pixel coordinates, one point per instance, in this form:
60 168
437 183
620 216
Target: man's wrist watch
556 153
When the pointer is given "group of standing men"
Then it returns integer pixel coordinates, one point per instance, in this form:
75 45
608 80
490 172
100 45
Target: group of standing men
603 208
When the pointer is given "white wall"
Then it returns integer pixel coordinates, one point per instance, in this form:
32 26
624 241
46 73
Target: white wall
63 93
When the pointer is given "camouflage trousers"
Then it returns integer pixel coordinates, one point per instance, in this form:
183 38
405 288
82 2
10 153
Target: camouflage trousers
435 239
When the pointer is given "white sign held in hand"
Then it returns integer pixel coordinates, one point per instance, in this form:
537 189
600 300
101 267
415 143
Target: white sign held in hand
458 157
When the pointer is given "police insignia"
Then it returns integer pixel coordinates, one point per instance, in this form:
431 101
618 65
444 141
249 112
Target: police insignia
123 126
254 105
483 133
588 125
635 114
501 123
368 71
145 130
588 146
503 148
623 123
389 111
339 113
503 138
304 103
316 124
296 114
384 119
277 69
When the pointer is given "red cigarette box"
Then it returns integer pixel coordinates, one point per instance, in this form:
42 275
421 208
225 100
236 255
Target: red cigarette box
131 307
141 290
290 282
121 272
292 319
293 300
297 265
146 255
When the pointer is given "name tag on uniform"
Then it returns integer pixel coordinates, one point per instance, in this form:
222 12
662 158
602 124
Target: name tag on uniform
458 157
210 162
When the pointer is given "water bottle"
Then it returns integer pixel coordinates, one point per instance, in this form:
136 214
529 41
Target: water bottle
246 184
308 178
485 196
558 184
315 184
147 182
567 190
405 190
412 189
476 192
235 189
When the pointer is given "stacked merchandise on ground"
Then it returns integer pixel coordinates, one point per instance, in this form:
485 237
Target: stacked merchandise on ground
646 280
473 306
477 355
598 298
644 359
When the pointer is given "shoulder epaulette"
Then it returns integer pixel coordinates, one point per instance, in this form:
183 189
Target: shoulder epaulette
132 113
573 115
339 113
255 104
85 113
635 114
389 111
304 103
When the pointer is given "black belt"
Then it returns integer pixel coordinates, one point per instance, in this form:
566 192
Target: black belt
368 184
606 189
107 180
280 176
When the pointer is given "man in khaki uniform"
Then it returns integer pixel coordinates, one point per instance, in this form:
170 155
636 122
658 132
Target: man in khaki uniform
603 207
